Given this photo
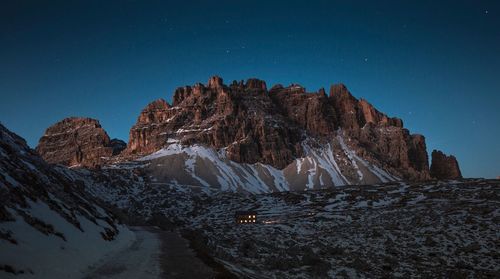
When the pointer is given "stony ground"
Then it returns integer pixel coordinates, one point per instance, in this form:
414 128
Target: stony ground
442 229
436 230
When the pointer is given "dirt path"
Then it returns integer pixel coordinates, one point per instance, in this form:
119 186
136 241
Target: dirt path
179 261
154 254
139 260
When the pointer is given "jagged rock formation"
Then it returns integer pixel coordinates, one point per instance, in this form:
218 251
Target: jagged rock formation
147 134
345 140
444 167
77 141
240 118
253 124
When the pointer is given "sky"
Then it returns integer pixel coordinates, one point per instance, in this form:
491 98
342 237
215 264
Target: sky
435 64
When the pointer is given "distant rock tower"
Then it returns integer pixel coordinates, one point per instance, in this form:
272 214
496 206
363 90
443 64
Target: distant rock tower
444 167
77 142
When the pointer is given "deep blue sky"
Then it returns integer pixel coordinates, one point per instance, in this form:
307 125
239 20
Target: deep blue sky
435 65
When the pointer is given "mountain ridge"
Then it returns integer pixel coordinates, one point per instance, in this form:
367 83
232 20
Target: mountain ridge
250 124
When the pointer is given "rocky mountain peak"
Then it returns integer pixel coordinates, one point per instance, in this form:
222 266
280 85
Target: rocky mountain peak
444 166
254 83
322 91
117 146
154 111
255 125
339 90
215 82
251 125
76 141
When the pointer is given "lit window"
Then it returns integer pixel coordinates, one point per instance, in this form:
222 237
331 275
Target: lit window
245 221
249 216
254 216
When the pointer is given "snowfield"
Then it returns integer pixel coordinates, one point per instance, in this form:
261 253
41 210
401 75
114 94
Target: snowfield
139 259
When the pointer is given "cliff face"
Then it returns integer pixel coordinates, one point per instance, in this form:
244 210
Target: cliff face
241 118
250 123
77 141
444 167
253 124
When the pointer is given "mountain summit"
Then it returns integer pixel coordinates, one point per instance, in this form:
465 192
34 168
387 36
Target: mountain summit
279 136
253 124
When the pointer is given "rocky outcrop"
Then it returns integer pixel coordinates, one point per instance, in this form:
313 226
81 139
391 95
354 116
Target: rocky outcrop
147 134
77 141
396 149
444 167
241 118
354 114
311 111
253 125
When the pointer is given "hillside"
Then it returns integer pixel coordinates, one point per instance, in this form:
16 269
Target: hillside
49 226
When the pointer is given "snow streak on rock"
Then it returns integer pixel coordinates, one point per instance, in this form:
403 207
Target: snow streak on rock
209 170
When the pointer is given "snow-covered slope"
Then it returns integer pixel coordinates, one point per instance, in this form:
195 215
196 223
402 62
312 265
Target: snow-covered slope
325 164
49 227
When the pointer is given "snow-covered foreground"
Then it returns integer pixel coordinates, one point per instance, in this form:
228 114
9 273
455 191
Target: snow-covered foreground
66 254
155 253
139 259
